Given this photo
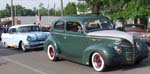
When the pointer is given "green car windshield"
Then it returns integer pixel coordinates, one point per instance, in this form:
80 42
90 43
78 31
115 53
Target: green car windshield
97 25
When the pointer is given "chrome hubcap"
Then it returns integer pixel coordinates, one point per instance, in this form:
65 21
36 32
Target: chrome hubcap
97 61
51 51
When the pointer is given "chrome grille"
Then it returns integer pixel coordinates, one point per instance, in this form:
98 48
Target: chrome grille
128 51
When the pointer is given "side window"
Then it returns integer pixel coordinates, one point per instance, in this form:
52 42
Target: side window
74 27
59 25
13 30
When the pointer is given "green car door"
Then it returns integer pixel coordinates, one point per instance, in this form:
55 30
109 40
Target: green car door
58 33
74 41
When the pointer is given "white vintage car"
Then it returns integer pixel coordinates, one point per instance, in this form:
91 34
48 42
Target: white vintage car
26 36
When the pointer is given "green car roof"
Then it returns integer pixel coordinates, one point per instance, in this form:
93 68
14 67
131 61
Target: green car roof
81 17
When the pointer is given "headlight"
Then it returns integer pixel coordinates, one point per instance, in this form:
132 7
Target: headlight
118 49
29 38
144 35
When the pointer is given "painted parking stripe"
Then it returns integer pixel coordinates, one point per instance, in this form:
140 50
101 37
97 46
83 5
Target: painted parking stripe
25 66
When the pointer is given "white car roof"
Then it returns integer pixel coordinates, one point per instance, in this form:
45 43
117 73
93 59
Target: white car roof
17 26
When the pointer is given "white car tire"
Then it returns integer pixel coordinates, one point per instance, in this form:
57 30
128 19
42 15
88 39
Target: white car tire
23 47
97 62
6 45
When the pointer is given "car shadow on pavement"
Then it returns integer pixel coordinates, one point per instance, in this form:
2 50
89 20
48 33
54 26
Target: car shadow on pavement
144 63
8 51
4 63
36 50
12 51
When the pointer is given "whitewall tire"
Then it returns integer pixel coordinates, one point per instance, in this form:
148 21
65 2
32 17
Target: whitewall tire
51 53
97 62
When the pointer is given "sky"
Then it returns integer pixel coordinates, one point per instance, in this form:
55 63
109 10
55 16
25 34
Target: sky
35 3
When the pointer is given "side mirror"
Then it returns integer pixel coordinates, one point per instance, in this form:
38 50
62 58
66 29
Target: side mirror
120 29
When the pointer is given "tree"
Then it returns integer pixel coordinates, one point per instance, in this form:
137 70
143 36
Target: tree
52 12
95 5
137 9
43 11
6 12
70 9
82 7
20 11
58 12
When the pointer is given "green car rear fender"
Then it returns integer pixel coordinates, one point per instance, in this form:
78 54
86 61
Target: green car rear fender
51 41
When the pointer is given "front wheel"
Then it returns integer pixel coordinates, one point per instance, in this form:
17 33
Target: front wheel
138 61
97 62
22 46
51 53
6 45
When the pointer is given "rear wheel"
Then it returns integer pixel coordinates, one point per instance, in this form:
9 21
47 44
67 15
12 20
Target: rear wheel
97 62
51 53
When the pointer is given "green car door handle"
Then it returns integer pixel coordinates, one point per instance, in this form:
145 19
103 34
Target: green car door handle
52 34
65 37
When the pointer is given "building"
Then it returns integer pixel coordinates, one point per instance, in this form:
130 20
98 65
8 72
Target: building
43 20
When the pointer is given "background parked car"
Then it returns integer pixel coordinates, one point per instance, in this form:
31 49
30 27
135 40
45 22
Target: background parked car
90 40
45 29
137 30
2 30
25 36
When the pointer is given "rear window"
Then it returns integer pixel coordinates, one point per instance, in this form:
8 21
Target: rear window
59 25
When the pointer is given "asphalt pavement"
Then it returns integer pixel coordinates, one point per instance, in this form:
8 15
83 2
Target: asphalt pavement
14 61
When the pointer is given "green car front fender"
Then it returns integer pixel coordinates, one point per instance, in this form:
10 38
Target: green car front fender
107 52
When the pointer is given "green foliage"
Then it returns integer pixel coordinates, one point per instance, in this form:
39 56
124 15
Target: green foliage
43 11
82 7
70 9
95 5
58 12
6 12
120 8
113 8
18 9
22 11
132 9
52 11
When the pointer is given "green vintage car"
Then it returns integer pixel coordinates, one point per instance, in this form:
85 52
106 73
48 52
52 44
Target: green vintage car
91 40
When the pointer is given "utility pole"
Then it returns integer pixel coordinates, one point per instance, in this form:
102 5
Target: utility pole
15 10
54 10
12 13
62 8
48 8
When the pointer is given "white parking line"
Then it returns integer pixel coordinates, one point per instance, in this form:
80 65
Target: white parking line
25 66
